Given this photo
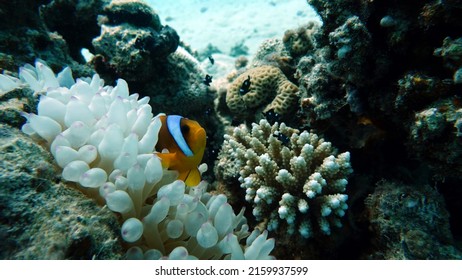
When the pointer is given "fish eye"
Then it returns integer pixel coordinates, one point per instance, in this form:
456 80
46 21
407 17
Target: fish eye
184 129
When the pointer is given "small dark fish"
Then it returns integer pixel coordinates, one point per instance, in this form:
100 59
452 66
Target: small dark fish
212 61
245 87
272 117
281 137
207 80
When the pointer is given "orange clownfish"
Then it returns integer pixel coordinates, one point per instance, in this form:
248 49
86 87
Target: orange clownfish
185 141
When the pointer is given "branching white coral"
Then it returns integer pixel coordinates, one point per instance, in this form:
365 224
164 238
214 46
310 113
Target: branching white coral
295 181
104 140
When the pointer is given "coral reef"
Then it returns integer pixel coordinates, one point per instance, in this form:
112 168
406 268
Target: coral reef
134 60
135 46
350 43
394 99
76 22
275 62
410 222
451 52
134 12
267 83
104 140
294 181
326 68
132 40
179 88
40 218
365 83
14 102
337 83
434 136
299 41
379 79
271 52
24 37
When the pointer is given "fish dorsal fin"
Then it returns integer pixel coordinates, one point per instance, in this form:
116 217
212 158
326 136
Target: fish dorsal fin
174 127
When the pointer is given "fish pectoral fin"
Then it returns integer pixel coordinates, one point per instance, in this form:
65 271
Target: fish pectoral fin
166 159
191 177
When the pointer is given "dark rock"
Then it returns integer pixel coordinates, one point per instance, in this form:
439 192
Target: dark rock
409 222
133 12
14 102
42 218
76 22
24 37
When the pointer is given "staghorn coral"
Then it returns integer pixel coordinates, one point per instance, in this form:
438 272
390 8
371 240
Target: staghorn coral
104 140
269 90
294 181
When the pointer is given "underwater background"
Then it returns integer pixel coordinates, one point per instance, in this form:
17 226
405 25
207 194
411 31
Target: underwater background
227 24
333 129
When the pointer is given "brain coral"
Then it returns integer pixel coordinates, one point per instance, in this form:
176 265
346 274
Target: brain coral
269 89
294 181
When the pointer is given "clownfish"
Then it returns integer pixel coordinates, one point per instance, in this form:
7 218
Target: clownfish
185 141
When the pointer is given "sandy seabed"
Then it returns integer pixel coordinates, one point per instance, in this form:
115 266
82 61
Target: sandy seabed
227 23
